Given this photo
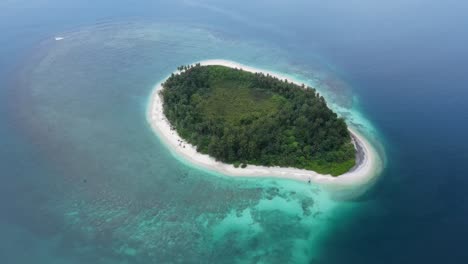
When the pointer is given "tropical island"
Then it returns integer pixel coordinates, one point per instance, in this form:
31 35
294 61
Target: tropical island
244 118
241 121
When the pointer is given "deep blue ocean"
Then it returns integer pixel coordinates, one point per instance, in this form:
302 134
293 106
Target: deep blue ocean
85 180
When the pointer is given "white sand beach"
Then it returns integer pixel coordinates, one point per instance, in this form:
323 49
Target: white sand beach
352 182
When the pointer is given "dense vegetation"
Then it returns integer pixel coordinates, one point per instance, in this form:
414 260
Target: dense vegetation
240 117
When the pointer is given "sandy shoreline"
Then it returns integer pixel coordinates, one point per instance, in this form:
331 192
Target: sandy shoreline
362 175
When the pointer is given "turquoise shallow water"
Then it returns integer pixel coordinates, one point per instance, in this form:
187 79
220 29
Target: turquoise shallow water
112 193
84 180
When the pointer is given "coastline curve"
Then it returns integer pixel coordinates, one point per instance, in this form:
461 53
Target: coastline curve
345 186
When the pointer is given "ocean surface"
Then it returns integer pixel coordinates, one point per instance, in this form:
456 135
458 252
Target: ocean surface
85 180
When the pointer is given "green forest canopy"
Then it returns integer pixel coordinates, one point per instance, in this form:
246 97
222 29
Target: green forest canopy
239 117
